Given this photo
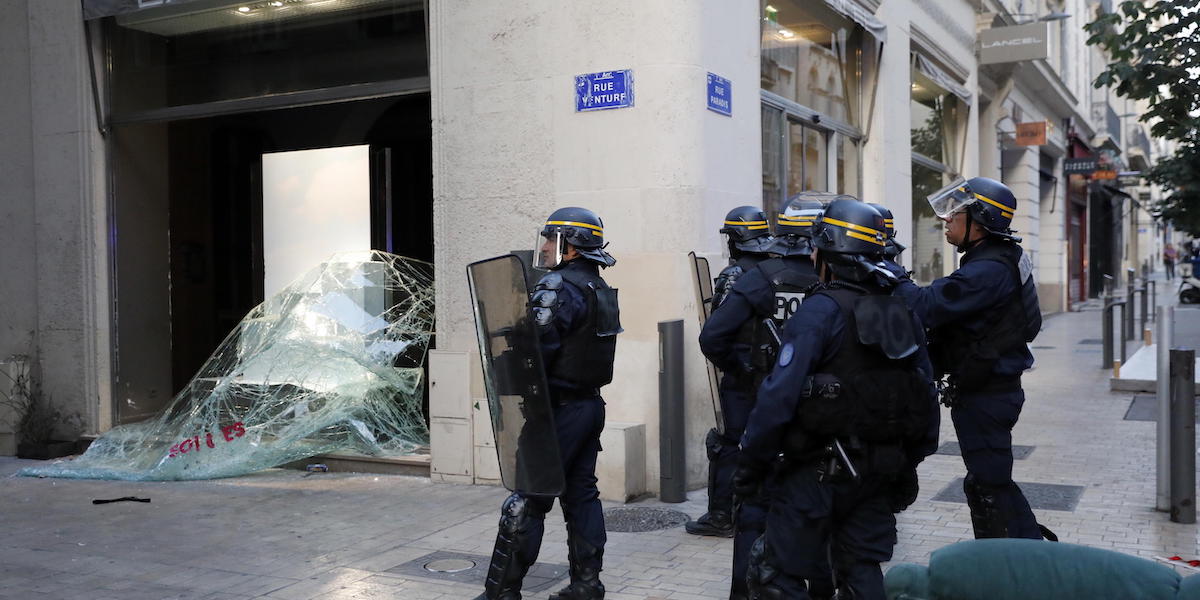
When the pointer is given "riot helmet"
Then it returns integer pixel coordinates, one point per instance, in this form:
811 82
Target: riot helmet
892 248
747 230
986 201
793 226
849 237
581 228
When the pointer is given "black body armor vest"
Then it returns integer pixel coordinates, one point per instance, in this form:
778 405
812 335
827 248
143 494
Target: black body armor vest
860 392
586 358
967 353
789 280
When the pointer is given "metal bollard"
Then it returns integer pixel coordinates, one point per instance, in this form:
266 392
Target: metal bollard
671 443
1124 313
1129 292
1183 435
1145 304
1154 299
1106 318
1163 396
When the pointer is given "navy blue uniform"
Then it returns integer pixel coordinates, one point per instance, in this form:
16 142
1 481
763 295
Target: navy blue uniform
983 418
578 421
810 520
722 340
735 389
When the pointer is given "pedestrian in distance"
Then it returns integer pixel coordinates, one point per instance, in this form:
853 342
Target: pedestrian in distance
577 321
770 292
851 406
1170 255
748 236
980 319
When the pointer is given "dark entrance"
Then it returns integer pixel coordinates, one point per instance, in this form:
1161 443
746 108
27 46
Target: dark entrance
192 190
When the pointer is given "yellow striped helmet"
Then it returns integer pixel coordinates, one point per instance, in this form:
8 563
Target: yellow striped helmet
748 229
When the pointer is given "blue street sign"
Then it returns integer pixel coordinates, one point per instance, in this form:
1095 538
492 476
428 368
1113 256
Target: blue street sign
720 95
599 91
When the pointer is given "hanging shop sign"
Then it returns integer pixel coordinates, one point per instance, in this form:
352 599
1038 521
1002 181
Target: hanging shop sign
720 95
1031 134
1079 166
1014 44
1104 174
1129 178
604 90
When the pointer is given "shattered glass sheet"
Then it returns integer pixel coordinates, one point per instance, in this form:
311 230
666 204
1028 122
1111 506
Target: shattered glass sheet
331 363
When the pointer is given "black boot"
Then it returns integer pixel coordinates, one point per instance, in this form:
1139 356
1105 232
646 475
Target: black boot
585 570
715 523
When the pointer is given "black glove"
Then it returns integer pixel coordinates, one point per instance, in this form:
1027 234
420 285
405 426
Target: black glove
904 490
748 479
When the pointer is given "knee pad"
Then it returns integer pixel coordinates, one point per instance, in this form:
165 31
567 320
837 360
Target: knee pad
516 513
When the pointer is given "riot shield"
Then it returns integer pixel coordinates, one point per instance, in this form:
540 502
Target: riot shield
515 377
704 305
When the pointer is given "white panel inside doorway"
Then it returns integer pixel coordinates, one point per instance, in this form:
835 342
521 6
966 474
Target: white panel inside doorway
315 203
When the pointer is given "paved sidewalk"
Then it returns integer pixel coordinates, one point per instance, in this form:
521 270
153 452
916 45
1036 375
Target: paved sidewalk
286 536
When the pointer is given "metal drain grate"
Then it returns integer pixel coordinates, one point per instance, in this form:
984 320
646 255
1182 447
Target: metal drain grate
1041 496
471 569
635 519
953 449
1145 408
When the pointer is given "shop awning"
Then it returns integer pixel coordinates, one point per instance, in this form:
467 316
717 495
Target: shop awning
943 79
857 13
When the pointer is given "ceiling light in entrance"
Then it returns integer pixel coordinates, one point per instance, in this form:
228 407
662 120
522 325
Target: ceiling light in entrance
195 16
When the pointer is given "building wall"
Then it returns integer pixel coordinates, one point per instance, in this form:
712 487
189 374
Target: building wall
54 270
509 148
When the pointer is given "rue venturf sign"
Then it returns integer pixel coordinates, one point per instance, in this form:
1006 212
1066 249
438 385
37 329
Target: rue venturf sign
604 90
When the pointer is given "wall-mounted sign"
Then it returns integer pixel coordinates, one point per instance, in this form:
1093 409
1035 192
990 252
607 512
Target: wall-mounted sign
604 90
1129 178
1031 134
1079 166
720 95
1104 174
1015 43
1144 196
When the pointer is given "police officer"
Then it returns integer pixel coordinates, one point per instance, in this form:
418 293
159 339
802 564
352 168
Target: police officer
980 318
577 319
893 248
748 235
851 405
772 290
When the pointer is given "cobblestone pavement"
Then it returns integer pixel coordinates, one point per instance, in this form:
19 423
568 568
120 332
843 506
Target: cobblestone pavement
281 535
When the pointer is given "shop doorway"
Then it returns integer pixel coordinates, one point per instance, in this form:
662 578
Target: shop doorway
193 239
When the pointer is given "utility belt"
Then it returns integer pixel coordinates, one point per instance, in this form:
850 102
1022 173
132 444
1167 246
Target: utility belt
561 396
848 459
951 395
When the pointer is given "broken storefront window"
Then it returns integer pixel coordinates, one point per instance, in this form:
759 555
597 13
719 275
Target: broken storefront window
331 363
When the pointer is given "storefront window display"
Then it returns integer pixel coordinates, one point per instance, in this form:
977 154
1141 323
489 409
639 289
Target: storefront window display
937 112
818 78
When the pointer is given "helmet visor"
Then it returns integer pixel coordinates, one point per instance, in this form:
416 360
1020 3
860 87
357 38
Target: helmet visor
549 249
951 199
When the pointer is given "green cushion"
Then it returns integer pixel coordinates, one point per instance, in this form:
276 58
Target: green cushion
1189 588
1017 569
907 581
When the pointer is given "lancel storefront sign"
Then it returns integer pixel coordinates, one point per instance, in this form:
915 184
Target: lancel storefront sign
1016 43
